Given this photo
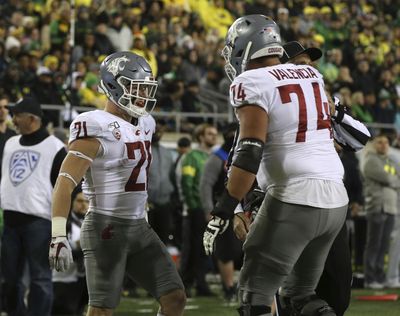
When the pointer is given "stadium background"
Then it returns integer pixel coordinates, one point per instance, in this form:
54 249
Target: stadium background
52 49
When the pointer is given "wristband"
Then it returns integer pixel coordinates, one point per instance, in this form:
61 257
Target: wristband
58 226
238 209
225 206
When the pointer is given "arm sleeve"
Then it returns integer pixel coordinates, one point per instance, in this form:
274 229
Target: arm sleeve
189 171
352 180
55 168
355 189
209 178
350 133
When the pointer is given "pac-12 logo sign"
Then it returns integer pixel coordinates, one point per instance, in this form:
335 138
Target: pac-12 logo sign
22 164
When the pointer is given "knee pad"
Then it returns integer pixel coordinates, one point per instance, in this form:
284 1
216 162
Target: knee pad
311 306
254 310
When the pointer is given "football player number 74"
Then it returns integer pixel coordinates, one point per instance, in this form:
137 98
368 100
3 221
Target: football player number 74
144 148
285 91
323 119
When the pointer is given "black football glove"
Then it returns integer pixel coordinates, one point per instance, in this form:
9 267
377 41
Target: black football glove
340 110
252 202
215 227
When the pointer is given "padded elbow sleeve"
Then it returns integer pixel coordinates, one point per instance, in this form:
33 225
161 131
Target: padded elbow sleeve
248 154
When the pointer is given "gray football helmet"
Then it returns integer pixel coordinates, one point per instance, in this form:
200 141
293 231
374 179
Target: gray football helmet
127 80
250 37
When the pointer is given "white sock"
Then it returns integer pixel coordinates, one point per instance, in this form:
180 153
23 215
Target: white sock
159 314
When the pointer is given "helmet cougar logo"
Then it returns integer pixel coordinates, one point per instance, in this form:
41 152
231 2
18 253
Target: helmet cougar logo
232 36
115 66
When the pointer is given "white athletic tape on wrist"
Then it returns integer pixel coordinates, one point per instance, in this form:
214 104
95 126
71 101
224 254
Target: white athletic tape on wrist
80 155
68 176
238 209
58 226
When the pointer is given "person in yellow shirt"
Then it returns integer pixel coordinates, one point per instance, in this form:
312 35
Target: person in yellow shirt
140 48
89 94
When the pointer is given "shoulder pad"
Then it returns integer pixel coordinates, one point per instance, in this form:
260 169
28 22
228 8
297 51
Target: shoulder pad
244 89
85 125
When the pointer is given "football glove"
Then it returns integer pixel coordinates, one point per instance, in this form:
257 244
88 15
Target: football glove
339 111
60 254
252 202
215 227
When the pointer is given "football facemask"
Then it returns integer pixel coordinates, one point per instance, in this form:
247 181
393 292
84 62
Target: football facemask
138 97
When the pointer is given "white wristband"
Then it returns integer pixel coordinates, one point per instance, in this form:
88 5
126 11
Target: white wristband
58 226
238 209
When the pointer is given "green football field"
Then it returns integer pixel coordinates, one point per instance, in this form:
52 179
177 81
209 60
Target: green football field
217 307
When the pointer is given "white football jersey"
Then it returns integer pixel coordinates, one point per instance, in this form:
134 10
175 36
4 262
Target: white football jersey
116 182
299 151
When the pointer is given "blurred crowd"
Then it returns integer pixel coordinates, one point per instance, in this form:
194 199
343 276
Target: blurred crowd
182 39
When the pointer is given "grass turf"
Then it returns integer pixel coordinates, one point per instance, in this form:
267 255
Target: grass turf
216 306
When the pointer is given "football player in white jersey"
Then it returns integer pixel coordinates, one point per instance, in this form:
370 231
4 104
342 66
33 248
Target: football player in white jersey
111 150
335 283
284 121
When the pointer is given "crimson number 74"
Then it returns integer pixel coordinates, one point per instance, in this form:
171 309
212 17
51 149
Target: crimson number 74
322 122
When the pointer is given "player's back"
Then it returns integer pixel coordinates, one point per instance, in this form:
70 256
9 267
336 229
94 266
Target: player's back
116 182
299 144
